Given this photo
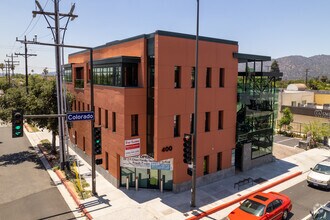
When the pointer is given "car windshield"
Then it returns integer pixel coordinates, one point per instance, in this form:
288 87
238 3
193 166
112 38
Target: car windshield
253 207
322 169
322 214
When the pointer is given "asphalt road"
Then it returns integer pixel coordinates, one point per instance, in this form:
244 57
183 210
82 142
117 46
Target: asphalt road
304 198
288 141
26 190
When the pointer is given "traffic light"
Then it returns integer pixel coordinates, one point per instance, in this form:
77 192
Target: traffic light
98 161
17 123
187 148
97 141
189 171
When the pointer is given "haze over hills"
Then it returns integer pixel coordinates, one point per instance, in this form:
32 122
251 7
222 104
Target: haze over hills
294 67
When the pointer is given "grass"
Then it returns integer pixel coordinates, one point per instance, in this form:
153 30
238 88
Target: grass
33 128
69 174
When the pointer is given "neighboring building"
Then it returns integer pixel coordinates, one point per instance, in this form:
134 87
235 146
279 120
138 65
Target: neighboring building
306 105
144 102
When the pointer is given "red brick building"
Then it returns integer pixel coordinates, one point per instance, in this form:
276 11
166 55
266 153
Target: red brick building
144 94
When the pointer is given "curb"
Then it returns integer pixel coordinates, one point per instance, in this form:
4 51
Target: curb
225 205
65 182
73 195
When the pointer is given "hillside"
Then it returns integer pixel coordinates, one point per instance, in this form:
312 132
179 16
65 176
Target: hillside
294 67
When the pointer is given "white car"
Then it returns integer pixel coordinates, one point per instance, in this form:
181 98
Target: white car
319 176
322 213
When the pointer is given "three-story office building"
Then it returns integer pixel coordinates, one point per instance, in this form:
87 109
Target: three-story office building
144 104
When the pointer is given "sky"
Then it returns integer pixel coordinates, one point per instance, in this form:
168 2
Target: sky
263 27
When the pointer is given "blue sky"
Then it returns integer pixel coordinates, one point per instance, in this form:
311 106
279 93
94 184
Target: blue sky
264 27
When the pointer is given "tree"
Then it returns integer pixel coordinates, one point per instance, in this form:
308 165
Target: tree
317 130
274 67
42 99
45 72
286 119
2 66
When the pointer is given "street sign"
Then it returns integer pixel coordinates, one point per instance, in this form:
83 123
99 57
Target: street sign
79 116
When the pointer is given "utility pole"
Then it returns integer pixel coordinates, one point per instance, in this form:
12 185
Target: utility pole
194 146
13 63
26 55
56 16
306 76
7 72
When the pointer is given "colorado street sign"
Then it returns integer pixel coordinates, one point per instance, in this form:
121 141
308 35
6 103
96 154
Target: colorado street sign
79 116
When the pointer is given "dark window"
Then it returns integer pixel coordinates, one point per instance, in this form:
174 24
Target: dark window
206 165
100 116
135 125
277 203
75 138
207 121
192 123
68 75
106 161
192 77
83 106
208 77
222 77
106 119
220 120
75 105
112 75
176 125
84 144
270 208
78 106
88 109
177 77
114 121
130 74
219 161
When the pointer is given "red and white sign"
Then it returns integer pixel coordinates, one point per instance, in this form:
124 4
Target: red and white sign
132 147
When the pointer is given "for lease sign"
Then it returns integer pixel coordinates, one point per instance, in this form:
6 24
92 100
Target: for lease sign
132 147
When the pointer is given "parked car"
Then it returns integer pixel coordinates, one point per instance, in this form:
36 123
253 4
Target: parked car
263 206
319 176
322 213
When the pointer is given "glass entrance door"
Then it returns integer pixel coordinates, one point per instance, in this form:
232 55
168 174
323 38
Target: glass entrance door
153 179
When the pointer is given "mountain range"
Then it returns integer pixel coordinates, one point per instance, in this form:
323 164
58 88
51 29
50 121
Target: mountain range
295 67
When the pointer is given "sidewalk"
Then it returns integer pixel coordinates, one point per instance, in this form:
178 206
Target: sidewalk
149 204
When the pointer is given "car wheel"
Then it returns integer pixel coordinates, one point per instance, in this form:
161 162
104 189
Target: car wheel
285 215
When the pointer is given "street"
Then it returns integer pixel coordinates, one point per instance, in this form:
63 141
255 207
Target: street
27 192
304 198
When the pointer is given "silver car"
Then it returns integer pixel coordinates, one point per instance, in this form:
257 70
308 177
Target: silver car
319 176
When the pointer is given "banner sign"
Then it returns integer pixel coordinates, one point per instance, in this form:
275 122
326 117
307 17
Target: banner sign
146 162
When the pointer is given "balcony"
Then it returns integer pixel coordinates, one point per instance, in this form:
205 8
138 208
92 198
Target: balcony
79 84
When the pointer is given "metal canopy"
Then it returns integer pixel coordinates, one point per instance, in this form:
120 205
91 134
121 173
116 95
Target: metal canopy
244 58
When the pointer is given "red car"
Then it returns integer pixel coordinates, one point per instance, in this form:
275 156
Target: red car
263 206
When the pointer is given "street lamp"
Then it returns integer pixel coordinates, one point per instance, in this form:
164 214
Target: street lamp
194 146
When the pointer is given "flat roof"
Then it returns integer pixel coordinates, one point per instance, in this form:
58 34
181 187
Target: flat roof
243 57
161 33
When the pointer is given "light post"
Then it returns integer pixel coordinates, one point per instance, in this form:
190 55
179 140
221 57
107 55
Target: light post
194 146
